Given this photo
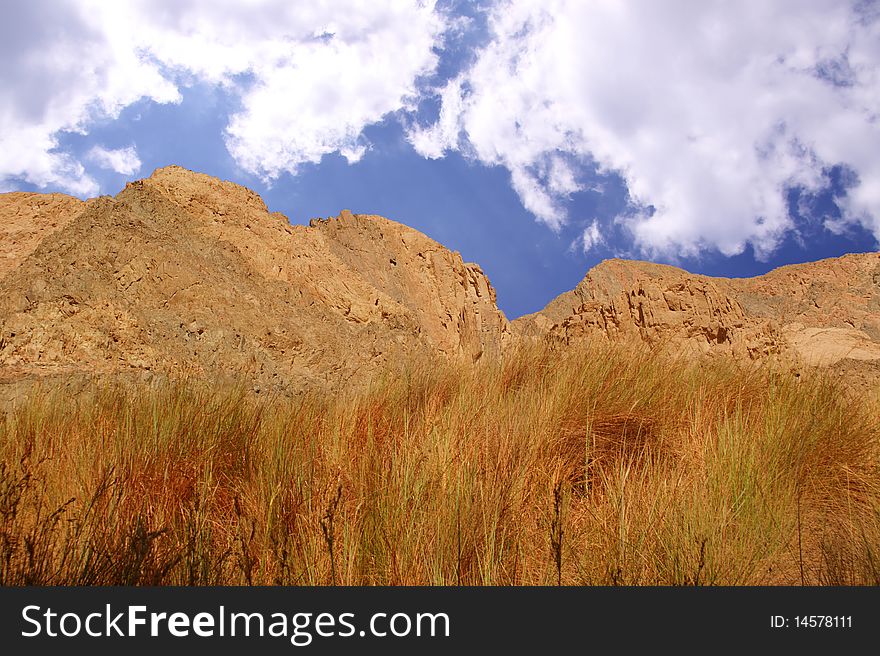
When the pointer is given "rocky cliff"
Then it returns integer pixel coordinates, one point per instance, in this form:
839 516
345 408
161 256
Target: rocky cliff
183 272
27 218
659 304
820 313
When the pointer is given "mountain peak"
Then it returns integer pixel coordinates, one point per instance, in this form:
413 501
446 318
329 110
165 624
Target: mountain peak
185 272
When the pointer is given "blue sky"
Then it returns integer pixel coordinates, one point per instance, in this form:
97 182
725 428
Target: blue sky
535 138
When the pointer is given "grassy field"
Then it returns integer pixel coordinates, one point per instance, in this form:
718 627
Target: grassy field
604 466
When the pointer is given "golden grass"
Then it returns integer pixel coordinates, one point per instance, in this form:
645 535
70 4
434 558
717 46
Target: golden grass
606 465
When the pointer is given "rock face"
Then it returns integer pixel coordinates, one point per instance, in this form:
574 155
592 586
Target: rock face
829 310
451 302
26 219
820 313
182 272
658 304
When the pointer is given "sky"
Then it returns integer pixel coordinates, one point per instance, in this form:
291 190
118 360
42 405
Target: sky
535 138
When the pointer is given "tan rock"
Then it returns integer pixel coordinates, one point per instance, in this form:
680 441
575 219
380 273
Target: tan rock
183 272
829 310
818 314
659 304
26 219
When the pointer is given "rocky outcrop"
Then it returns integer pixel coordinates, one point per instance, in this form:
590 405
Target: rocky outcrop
451 301
658 304
829 310
28 218
182 272
820 313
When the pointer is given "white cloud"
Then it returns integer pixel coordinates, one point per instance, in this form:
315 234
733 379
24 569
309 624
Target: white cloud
434 141
591 237
317 95
60 70
309 76
709 111
124 161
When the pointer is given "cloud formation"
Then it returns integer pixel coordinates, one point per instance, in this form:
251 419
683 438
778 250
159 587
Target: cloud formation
124 161
709 111
591 237
309 77
315 74
61 70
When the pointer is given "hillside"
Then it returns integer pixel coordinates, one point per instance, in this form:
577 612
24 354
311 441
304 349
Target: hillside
181 272
821 313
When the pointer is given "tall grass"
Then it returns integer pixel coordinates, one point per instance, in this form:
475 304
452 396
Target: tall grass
606 465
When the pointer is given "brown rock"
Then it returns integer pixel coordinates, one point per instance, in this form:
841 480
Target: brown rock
829 310
818 313
26 219
659 304
183 272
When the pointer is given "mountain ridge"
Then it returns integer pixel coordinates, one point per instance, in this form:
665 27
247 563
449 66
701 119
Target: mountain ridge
181 272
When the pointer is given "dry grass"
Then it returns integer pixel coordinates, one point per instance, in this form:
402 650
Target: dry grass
601 466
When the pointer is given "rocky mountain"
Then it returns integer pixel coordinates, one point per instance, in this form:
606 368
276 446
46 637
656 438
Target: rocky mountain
181 272
828 310
659 304
27 218
824 313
